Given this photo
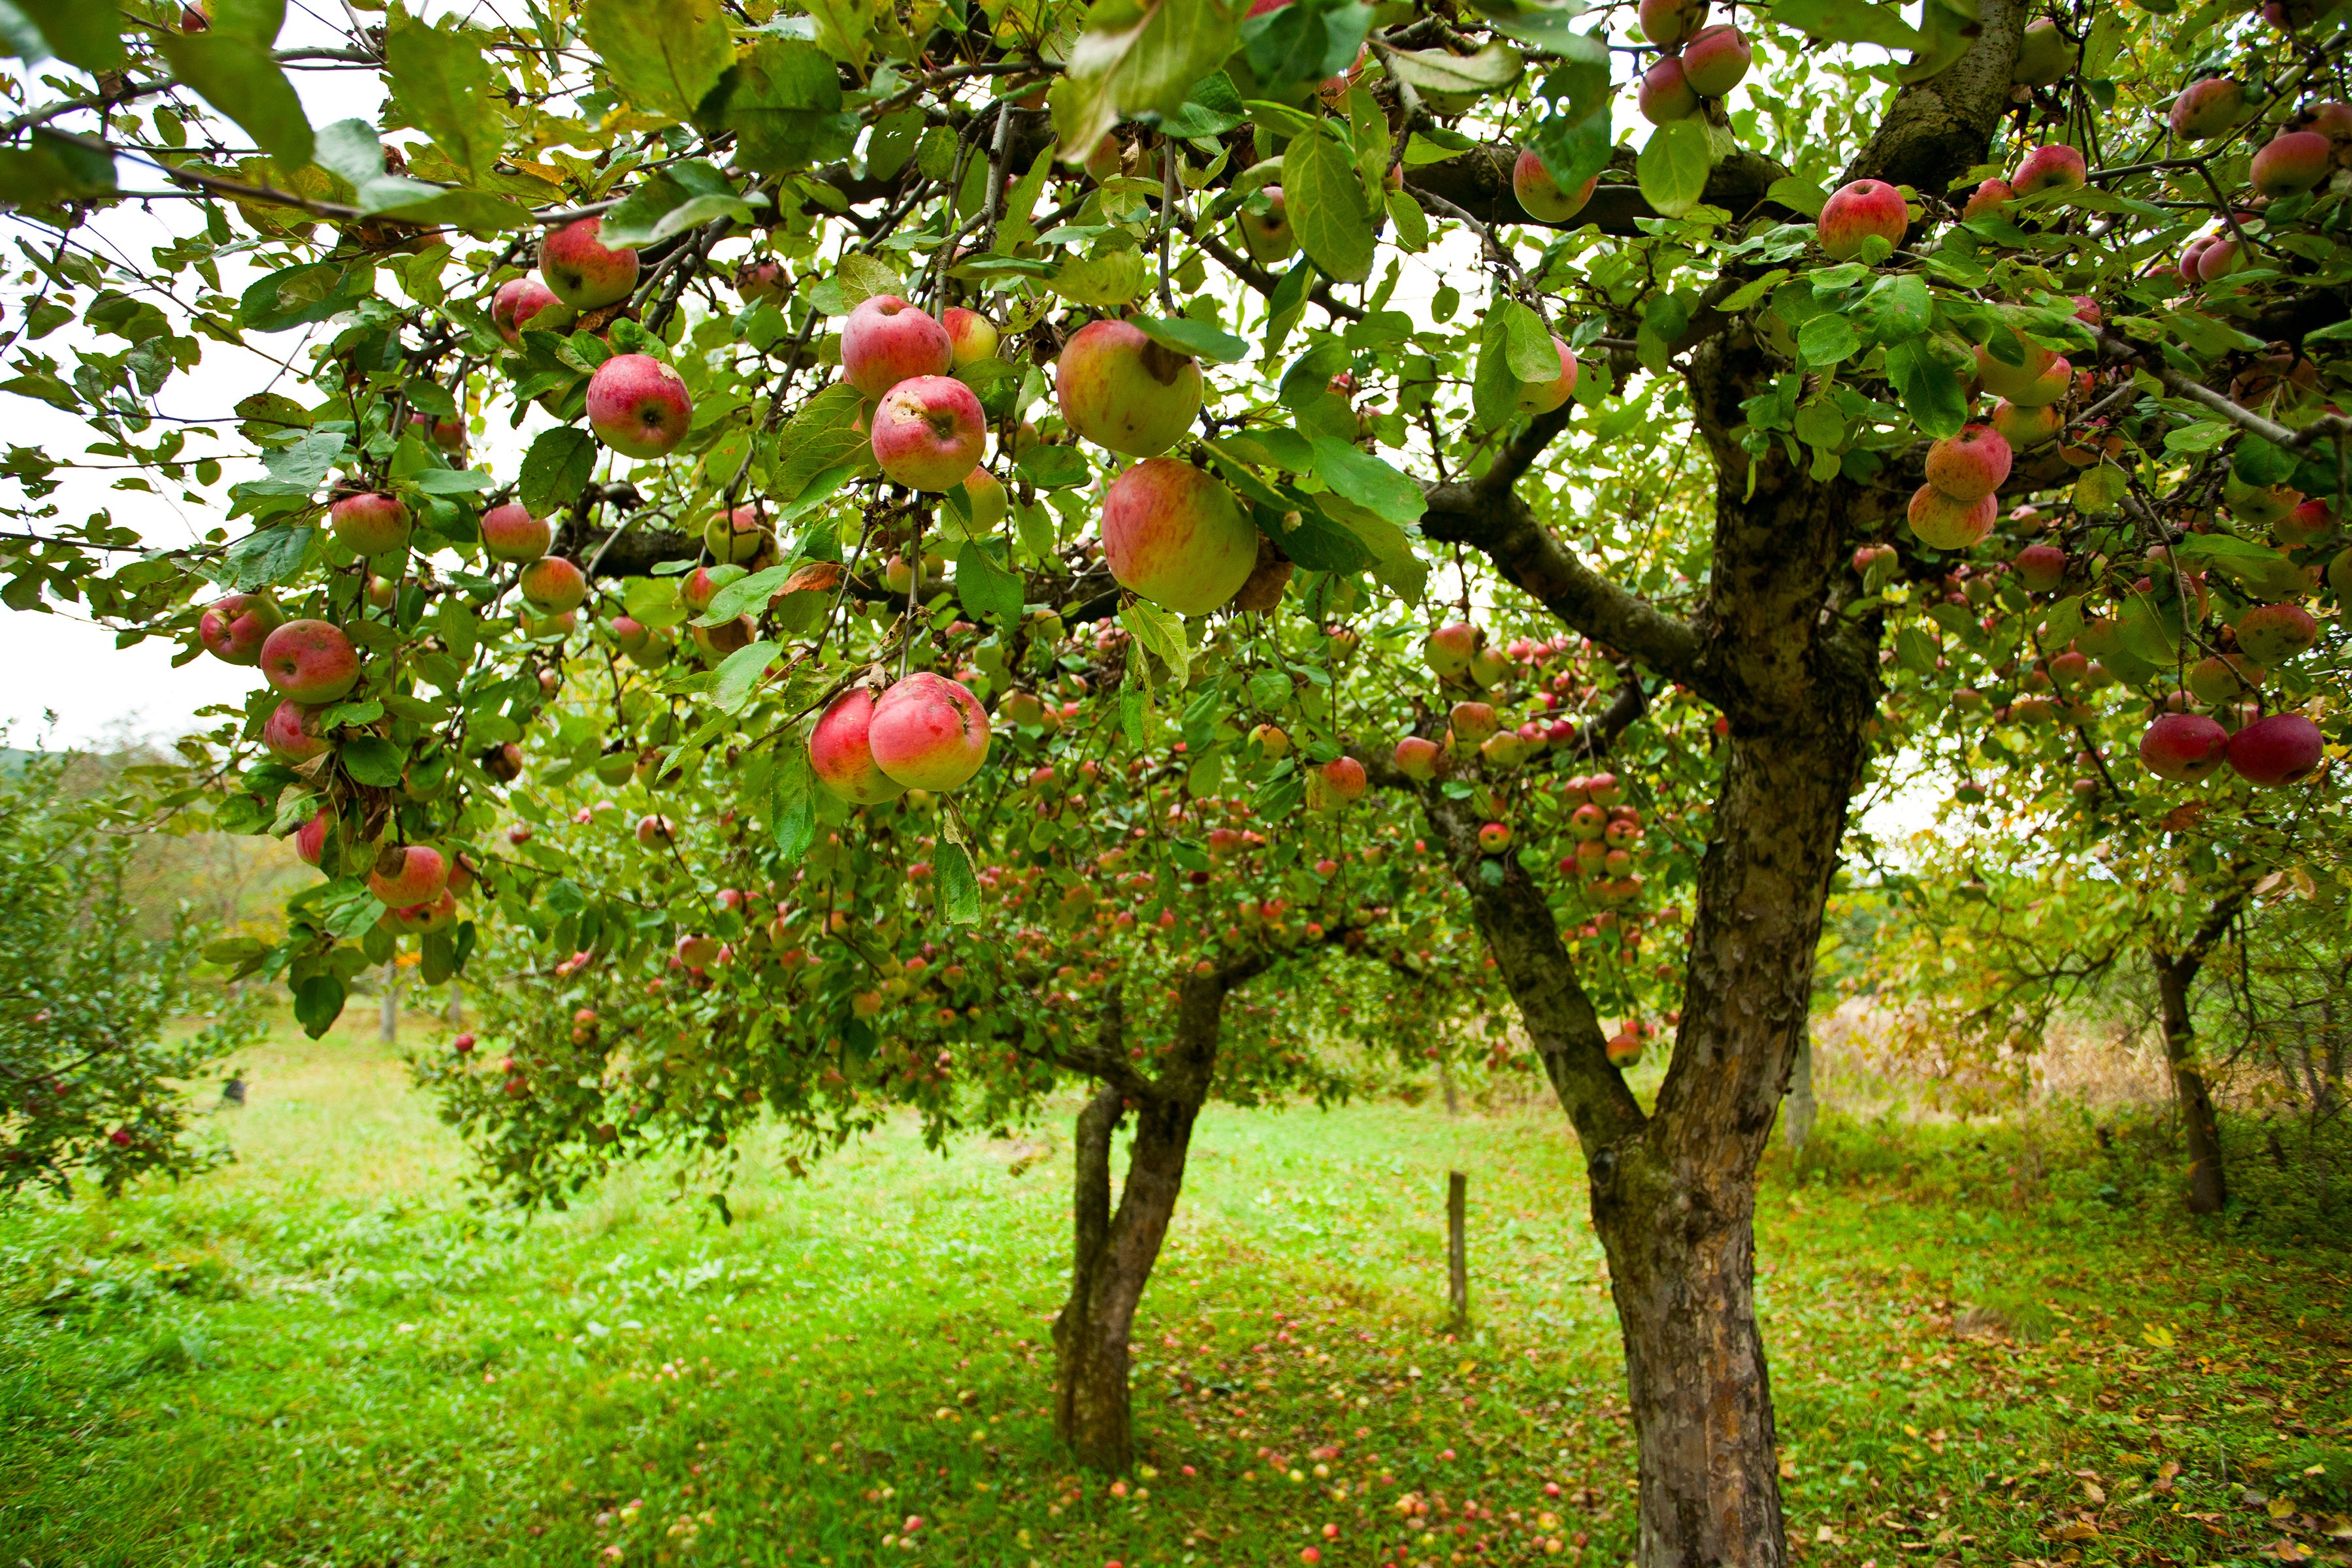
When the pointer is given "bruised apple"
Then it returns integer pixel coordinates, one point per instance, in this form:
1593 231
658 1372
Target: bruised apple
1120 390
929 433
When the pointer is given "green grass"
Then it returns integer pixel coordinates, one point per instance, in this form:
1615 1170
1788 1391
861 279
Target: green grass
323 1354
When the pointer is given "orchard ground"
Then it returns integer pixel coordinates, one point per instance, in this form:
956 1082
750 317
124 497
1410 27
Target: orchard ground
1990 1344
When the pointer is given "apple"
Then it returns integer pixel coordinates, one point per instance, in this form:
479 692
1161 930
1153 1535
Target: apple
1667 23
728 636
639 406
630 634
2272 633
1945 522
310 838
971 337
1969 465
1540 195
2210 108
762 278
233 629
887 340
1504 749
1334 785
928 432
1272 742
2264 506
2022 427
1109 157
2183 747
655 831
1717 60
1176 536
553 586
1493 839
2292 163
1120 390
842 757
1418 759
2044 58
2278 750
1449 649
2041 380
2216 679
523 304
2040 567
380 593
1472 721
370 523
291 734
1543 396
2313 523
698 951
2221 256
1855 211
2051 167
449 435
581 272
928 732
1265 223
511 533
1665 94
986 493
310 662
1624 1050
408 874
737 536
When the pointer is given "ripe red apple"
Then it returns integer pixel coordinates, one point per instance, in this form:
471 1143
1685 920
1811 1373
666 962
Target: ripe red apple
1472 721
1540 195
449 435
233 629
928 732
1945 522
1450 649
702 585
526 303
310 662
639 406
2044 58
929 432
1334 785
2272 633
887 340
1665 94
1265 223
370 523
2292 163
2278 750
1987 197
380 593
292 736
310 838
2042 379
2183 747
2210 108
1855 211
2040 567
1668 23
971 337
2051 167
2022 427
1717 60
1418 759
843 757
580 271
1969 465
1176 536
737 536
408 874
2218 257
1120 390
511 533
762 278
554 586
1543 396
656 831
2312 522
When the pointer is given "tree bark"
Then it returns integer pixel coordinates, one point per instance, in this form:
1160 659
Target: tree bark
1116 1249
1798 1110
2208 1188
1457 1247
387 1027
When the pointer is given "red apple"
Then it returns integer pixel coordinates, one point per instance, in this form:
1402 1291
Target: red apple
2293 163
1717 60
1450 649
762 278
370 523
1540 195
581 272
233 629
655 831
1543 396
928 732
1857 211
2210 108
737 536
842 755
1120 390
1945 522
1176 536
1969 465
928 433
1472 721
2183 747
553 586
639 406
409 874
2022 427
1336 785
971 337
2312 522
523 304
2051 167
292 736
1665 94
2040 567
310 662
1667 23
1272 741
1987 197
887 340
2278 750
2272 633
310 838
511 533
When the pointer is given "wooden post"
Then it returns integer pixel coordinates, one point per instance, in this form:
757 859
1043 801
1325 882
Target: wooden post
1457 1247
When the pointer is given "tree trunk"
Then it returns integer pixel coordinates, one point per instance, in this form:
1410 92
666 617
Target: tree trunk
1446 1082
2207 1186
1798 1112
1114 1248
387 1028
1457 1247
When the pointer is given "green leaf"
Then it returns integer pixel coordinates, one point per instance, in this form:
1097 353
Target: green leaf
1931 390
1491 69
1495 391
1160 632
1797 195
1673 168
1054 467
266 557
683 197
1213 108
783 100
298 296
663 56
1365 479
1827 339
441 82
1916 649
240 76
1527 345
824 436
984 584
556 469
318 1002
452 481
1136 59
53 171
1201 340
1111 279
1849 22
1573 151
740 674
959 887
76 31
791 812
1326 205
374 760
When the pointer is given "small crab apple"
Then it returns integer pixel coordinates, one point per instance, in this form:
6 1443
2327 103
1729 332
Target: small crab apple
1717 60
2183 747
638 405
1540 195
1176 536
233 629
1969 465
582 271
842 755
2052 167
1944 522
887 340
310 662
1855 211
370 523
929 432
1120 390
526 304
511 533
928 732
971 337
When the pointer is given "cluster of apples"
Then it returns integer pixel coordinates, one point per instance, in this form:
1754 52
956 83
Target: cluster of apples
927 430
924 732
637 405
1695 61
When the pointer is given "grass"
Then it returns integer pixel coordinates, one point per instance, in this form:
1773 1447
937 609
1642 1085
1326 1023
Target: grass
1987 1347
